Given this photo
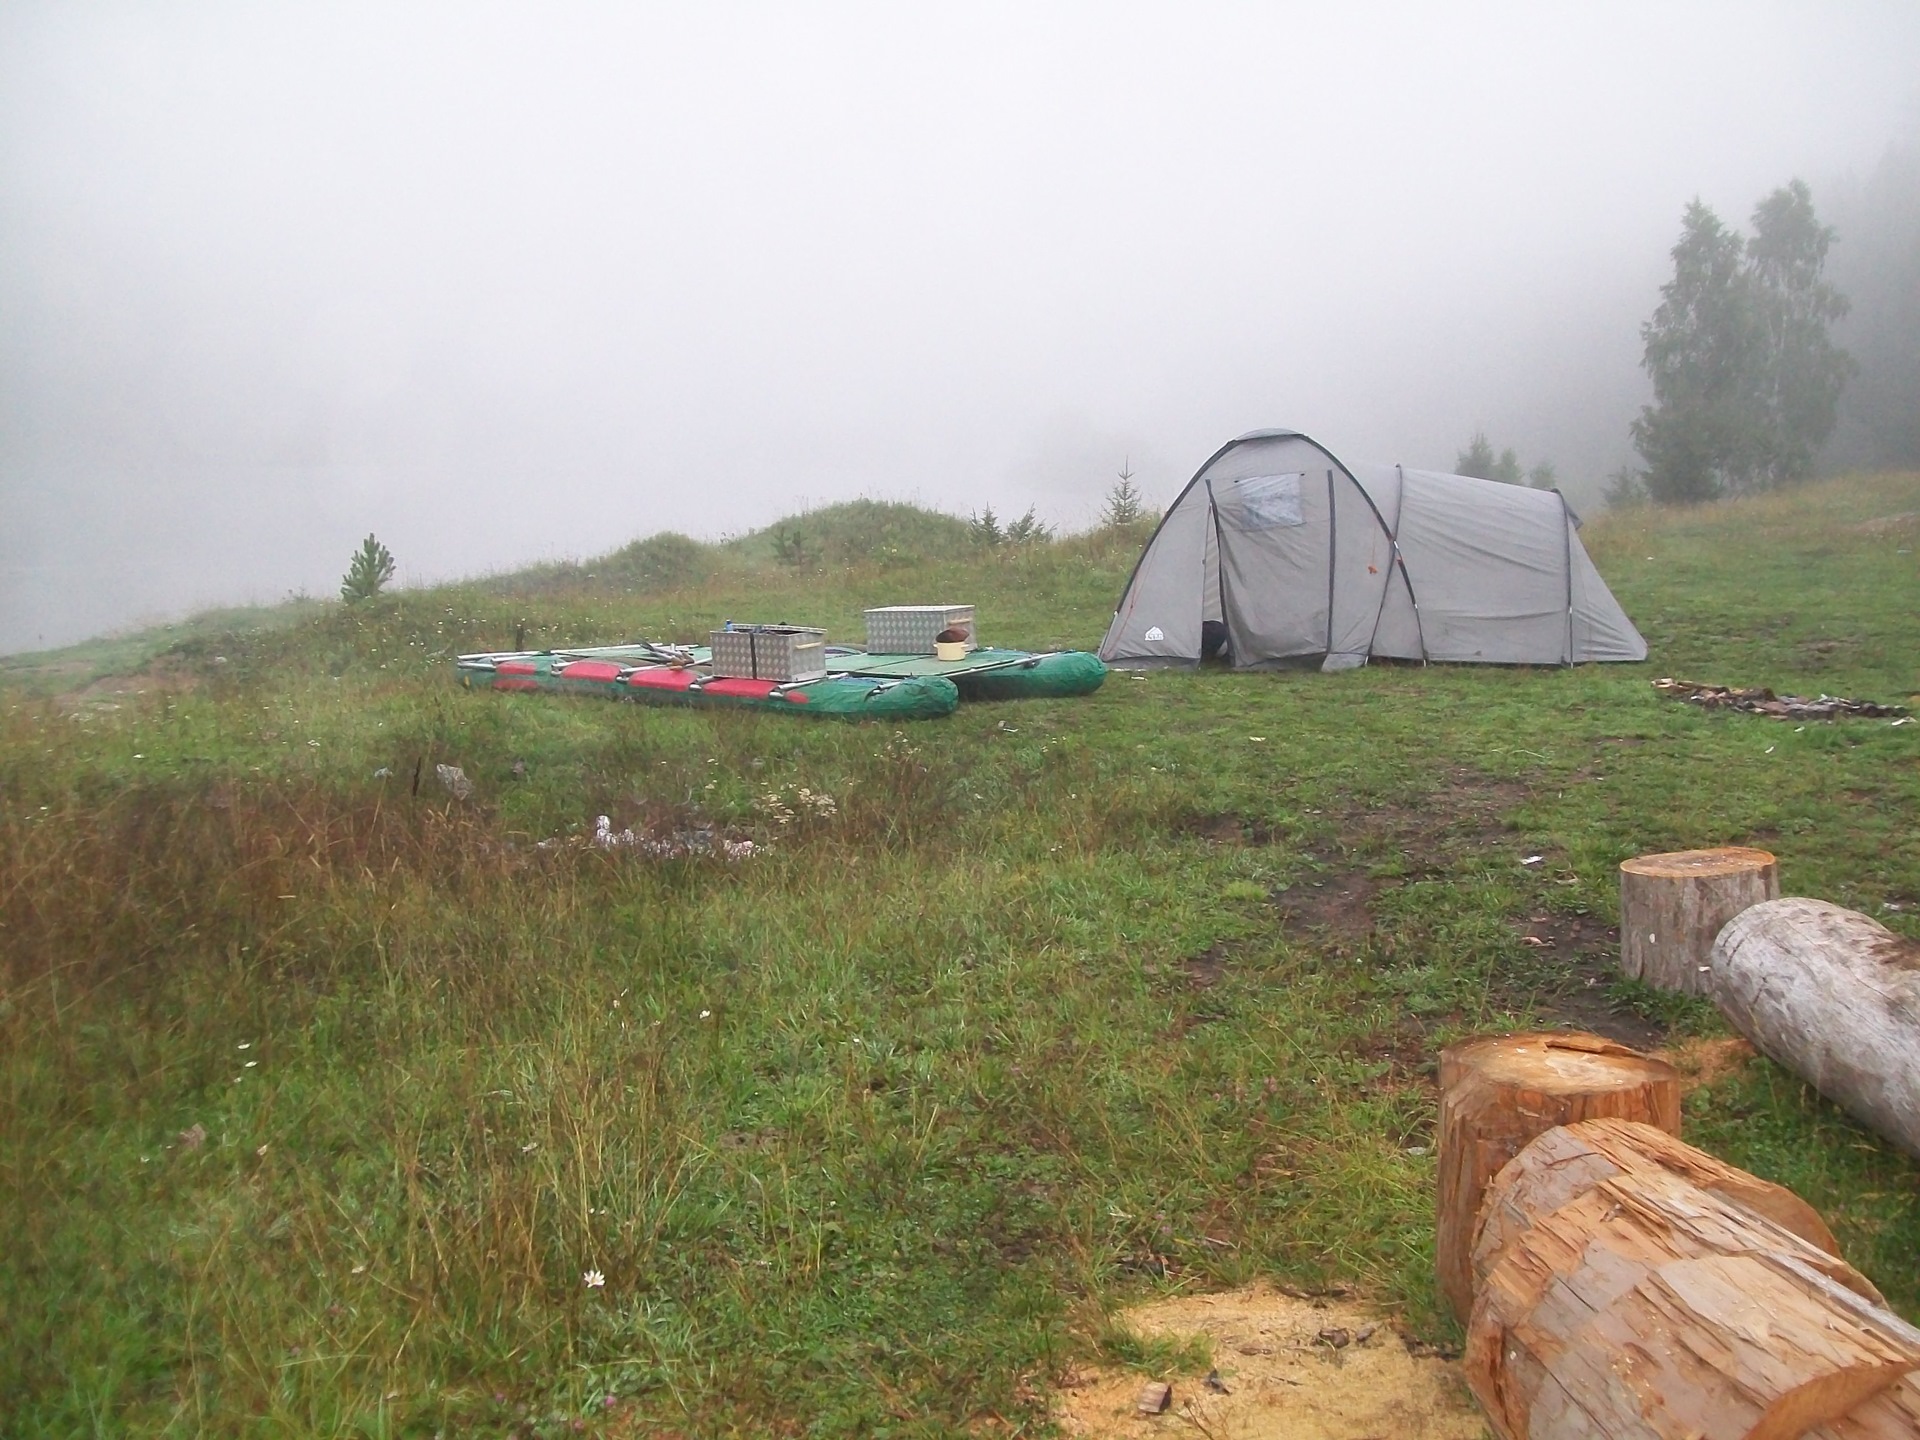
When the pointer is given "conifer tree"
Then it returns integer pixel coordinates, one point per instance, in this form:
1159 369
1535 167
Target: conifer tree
1746 381
368 573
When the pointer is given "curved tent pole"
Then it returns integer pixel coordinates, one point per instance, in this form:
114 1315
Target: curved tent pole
1566 550
1220 568
1399 562
1332 550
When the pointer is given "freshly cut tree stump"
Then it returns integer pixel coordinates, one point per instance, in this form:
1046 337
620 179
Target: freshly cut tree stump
1646 1306
1834 997
1672 905
1565 1163
1498 1094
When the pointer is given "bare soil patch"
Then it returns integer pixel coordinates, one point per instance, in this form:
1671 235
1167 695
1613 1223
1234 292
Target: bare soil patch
164 673
1208 968
1334 902
1572 980
1888 524
1409 1054
1466 811
1288 1367
1228 829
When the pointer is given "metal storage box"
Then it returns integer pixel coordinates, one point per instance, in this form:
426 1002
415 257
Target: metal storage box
770 652
909 629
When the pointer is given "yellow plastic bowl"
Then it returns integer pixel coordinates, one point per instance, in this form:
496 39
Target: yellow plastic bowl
950 650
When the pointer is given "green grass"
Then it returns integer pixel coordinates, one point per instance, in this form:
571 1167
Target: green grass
872 1132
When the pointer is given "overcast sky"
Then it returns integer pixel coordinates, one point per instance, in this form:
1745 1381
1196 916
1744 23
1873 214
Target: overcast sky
510 282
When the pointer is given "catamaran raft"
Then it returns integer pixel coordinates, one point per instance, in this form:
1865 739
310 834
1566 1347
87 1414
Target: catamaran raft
792 670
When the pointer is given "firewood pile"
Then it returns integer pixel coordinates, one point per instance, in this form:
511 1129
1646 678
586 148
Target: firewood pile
1618 1282
1615 1281
1758 700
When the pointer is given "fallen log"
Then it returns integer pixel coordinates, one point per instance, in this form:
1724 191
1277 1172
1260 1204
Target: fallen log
1647 1306
1835 997
1672 905
1567 1162
1498 1094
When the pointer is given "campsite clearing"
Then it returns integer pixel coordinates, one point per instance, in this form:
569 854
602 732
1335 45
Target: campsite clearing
333 1102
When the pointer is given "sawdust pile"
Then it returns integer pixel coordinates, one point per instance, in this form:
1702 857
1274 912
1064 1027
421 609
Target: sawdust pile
1300 1368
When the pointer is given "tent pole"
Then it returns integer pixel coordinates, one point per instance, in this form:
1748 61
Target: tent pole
1332 539
1220 578
1399 561
1566 550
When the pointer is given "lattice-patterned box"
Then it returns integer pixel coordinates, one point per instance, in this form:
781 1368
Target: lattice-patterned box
910 629
770 652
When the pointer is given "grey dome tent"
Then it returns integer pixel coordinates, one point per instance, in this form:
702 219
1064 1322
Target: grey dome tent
1299 556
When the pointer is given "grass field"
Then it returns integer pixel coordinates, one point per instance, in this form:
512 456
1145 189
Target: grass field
324 1095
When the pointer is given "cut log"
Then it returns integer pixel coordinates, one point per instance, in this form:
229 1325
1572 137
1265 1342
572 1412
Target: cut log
1647 1306
1565 1163
1672 905
1834 997
1498 1094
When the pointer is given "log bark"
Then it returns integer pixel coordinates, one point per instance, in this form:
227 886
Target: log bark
1672 905
1565 1163
1835 997
1498 1094
1647 1306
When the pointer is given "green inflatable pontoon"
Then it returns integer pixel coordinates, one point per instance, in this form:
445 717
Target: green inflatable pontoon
986 674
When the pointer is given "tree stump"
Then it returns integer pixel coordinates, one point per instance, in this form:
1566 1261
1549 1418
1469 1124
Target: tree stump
1834 997
1648 1306
1498 1094
1671 907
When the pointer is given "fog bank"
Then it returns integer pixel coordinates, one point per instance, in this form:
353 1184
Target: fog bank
508 283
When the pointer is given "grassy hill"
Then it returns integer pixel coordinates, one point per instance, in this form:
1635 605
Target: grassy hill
326 1095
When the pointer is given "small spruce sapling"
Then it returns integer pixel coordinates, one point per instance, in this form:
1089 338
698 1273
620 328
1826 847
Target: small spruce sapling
1028 530
790 547
368 573
1125 505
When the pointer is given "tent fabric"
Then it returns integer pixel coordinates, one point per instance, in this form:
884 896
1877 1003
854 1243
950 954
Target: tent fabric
1300 556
